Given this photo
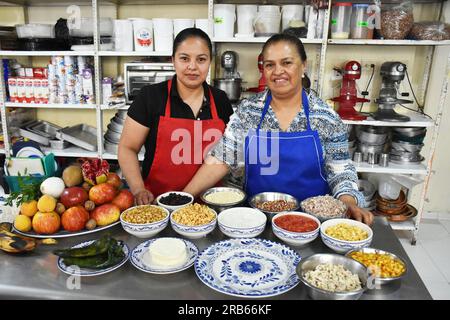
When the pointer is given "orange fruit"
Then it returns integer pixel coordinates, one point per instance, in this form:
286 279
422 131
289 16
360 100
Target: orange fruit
29 208
22 223
46 203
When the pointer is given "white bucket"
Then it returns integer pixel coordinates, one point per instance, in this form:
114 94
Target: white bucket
202 24
181 24
143 34
123 35
224 18
246 13
266 24
291 12
269 9
163 29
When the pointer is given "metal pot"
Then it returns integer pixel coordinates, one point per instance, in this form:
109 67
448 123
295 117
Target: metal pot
232 87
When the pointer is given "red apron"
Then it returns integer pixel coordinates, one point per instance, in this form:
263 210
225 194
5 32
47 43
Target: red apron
180 148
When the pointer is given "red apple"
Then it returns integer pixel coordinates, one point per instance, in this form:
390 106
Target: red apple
124 200
46 223
106 214
114 179
73 196
75 218
102 193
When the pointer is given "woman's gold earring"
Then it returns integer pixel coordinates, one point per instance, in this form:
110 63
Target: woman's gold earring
303 75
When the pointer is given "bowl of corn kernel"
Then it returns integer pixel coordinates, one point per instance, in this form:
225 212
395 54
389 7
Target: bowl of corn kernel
144 221
193 221
385 266
343 235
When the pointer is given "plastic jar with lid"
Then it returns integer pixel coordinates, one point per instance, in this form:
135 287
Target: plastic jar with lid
340 20
358 23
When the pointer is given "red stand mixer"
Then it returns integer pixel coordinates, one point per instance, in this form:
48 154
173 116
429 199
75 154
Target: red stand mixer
348 98
262 80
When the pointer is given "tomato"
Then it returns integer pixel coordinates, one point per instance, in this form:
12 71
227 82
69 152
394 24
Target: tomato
294 223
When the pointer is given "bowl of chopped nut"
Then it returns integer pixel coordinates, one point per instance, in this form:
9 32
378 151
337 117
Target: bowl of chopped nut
272 203
343 235
332 277
193 221
144 221
324 207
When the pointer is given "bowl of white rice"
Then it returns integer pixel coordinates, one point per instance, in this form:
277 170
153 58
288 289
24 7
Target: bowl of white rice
221 198
242 222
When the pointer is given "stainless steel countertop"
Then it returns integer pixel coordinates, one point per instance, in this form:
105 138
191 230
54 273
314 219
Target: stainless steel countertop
36 275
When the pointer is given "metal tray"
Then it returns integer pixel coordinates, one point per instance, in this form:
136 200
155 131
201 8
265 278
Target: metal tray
81 135
44 128
34 136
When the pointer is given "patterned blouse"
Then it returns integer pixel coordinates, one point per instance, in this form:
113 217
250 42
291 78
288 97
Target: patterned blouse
340 172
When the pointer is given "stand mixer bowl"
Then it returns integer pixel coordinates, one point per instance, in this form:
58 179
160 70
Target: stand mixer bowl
231 86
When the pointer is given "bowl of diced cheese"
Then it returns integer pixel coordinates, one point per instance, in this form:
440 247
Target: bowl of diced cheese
343 235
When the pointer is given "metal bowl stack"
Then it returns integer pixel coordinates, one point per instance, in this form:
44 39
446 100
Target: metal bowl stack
407 142
112 135
371 142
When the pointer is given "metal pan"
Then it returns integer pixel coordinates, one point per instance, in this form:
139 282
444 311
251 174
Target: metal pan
112 136
81 135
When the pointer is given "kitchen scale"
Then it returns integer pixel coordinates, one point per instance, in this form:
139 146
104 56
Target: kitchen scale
392 73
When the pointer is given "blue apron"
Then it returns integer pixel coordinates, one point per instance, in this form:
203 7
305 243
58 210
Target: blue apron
298 168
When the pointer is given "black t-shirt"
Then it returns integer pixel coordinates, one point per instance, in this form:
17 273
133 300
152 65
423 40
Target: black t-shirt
150 104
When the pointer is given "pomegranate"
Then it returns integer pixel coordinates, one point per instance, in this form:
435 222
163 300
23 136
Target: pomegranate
106 214
73 196
102 193
75 218
95 171
46 223
124 200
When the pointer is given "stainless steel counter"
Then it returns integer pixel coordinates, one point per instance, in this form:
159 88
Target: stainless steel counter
36 275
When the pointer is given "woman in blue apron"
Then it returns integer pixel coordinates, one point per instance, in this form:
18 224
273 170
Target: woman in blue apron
285 139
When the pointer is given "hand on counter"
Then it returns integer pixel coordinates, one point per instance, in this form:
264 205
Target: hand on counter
143 197
356 212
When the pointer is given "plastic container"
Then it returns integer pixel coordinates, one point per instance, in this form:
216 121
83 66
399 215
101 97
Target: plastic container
359 27
267 21
291 12
388 188
224 19
143 35
340 20
202 24
163 31
85 28
246 13
181 24
37 30
268 9
123 35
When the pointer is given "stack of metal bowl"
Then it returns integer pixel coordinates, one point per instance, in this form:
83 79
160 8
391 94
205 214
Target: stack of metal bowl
112 135
371 142
407 142
368 190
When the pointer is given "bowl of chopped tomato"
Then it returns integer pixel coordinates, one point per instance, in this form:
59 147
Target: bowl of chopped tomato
295 228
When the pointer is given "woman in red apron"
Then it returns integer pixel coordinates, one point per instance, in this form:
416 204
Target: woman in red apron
177 121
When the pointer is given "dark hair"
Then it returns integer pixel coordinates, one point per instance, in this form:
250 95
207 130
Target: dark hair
296 42
191 33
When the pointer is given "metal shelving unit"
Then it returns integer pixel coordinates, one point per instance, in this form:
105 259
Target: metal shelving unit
321 49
